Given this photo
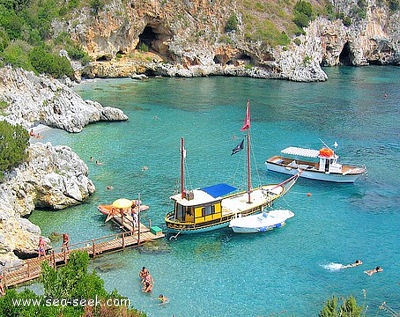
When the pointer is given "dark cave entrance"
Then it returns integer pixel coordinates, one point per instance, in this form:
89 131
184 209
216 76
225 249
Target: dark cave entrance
147 37
155 38
241 59
345 57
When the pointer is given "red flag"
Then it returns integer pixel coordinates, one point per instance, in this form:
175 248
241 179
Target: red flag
246 124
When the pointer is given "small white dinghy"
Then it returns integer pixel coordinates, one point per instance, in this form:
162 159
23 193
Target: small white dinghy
261 222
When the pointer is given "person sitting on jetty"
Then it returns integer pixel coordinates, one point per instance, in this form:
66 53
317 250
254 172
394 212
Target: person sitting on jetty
163 299
373 271
42 247
356 263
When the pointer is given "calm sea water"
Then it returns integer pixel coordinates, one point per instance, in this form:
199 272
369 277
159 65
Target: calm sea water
291 271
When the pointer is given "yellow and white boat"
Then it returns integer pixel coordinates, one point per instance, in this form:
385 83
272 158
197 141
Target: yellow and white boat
213 207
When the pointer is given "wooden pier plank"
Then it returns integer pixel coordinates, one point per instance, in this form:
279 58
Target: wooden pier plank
31 268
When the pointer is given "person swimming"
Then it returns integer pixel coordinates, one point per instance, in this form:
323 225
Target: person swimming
354 264
163 299
373 271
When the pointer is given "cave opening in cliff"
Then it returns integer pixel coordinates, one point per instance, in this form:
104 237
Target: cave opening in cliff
345 57
155 38
103 58
147 37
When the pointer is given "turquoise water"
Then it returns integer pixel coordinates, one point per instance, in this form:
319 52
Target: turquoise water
287 272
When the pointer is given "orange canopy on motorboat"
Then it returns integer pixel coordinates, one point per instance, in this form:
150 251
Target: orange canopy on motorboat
326 152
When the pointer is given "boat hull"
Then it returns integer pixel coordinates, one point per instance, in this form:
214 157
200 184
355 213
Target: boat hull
195 230
107 209
261 222
316 175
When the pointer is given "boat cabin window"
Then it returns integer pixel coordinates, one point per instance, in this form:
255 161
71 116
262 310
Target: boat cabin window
208 210
179 211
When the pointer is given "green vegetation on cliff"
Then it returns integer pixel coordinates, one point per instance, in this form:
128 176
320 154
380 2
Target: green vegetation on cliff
348 308
14 141
26 37
28 40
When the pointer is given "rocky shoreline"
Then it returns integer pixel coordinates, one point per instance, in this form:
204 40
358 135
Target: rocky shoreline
53 177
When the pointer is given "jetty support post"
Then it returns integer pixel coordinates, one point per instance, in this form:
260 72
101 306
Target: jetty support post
65 255
138 228
93 249
53 258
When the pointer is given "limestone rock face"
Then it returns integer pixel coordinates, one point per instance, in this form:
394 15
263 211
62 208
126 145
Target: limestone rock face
39 99
54 177
189 39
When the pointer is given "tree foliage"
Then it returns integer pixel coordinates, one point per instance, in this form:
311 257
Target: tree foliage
349 308
303 13
48 63
232 24
16 54
14 141
66 289
28 23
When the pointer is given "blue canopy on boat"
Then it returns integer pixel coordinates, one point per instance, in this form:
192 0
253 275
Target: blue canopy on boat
218 190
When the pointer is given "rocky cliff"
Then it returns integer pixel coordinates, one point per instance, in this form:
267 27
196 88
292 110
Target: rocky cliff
36 100
53 177
188 38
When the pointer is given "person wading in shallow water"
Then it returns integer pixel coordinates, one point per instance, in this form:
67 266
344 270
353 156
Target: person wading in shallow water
142 274
148 283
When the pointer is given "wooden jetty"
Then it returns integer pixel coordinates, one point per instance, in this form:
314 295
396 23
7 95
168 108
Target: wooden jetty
30 269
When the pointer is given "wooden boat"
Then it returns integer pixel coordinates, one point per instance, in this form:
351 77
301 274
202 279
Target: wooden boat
323 166
213 207
125 208
261 222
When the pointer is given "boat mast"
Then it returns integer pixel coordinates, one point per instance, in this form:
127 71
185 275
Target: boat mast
182 168
248 168
246 127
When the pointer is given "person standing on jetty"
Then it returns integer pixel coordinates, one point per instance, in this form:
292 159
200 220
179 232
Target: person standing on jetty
42 247
134 218
65 244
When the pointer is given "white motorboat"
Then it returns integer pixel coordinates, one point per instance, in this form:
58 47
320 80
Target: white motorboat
323 166
261 222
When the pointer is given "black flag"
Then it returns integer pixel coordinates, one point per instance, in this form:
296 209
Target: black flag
238 148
